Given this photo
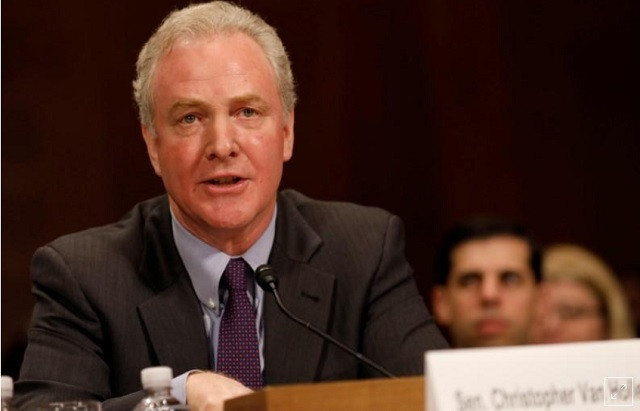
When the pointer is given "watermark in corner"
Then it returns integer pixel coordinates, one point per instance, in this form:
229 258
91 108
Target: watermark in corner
618 391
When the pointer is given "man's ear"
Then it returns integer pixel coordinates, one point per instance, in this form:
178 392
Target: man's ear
152 148
288 137
441 305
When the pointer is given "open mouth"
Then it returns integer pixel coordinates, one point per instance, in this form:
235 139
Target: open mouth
225 181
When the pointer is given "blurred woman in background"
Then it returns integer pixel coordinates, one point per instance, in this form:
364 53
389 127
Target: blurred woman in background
580 299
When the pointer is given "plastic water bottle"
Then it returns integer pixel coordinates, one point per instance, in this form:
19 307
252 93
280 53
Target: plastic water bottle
156 382
7 394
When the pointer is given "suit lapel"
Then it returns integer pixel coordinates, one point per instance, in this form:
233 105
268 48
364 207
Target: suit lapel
292 352
172 317
174 328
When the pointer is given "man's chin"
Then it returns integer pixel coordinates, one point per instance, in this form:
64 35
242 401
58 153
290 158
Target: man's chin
499 340
495 342
502 340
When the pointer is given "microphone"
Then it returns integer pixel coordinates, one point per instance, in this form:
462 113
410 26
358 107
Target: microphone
268 281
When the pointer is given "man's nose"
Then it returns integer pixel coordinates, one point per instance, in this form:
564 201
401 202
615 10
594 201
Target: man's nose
220 140
490 289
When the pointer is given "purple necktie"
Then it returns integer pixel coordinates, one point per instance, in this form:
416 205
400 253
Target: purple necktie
238 352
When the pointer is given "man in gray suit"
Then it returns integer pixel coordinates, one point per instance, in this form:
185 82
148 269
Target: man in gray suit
216 99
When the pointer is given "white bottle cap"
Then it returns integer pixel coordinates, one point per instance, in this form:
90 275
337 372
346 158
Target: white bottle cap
156 377
7 387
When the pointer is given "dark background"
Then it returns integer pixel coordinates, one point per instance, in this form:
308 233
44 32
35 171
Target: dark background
432 109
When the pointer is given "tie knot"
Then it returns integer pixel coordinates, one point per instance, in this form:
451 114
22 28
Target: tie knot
236 274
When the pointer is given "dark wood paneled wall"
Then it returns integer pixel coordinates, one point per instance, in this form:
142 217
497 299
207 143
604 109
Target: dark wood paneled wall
432 109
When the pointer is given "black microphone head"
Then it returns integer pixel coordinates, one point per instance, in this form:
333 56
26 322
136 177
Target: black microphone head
266 278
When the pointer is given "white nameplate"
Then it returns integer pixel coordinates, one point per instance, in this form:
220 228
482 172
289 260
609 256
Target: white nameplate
565 377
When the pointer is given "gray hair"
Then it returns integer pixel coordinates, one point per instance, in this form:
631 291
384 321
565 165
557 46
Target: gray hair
200 20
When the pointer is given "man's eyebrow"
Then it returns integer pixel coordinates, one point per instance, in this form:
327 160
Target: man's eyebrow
468 274
248 98
185 104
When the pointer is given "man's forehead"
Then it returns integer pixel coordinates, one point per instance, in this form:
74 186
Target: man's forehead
233 63
491 251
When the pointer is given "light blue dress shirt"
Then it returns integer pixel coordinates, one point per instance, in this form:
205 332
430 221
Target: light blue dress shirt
205 265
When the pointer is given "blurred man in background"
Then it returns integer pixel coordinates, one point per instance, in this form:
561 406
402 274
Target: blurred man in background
486 285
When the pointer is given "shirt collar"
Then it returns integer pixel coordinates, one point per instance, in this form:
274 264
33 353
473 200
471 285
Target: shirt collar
205 264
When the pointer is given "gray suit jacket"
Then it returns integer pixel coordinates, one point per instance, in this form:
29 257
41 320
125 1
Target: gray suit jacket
115 299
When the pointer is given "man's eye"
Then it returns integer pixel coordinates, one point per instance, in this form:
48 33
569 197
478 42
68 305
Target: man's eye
469 280
511 278
248 112
189 119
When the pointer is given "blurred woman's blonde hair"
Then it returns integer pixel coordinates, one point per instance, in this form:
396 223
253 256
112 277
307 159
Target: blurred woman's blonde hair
570 262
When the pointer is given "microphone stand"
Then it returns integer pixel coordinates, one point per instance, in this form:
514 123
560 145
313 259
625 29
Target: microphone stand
269 282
